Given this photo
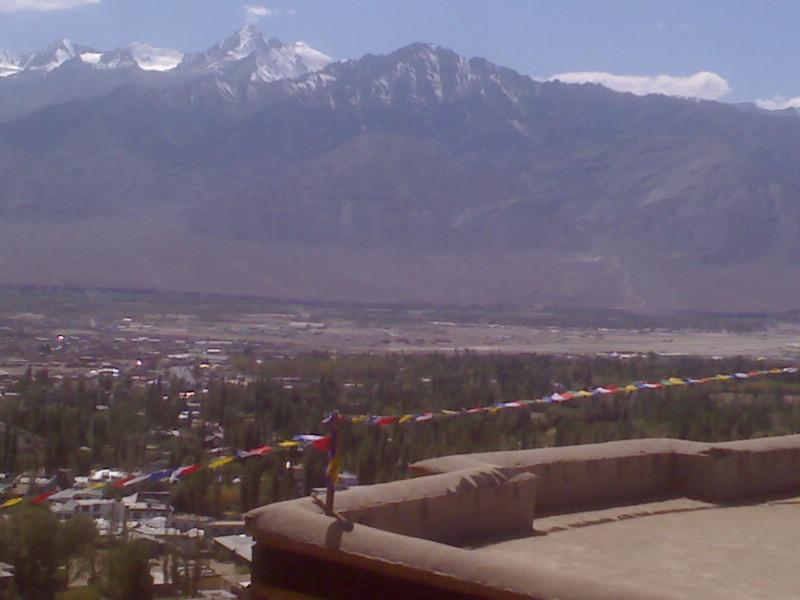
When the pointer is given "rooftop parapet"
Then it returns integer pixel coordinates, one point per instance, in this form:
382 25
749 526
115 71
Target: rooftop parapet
406 538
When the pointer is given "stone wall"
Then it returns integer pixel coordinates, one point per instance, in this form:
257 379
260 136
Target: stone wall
633 471
740 471
452 508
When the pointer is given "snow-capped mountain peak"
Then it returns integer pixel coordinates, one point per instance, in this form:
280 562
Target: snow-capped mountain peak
247 55
136 55
244 42
418 75
52 57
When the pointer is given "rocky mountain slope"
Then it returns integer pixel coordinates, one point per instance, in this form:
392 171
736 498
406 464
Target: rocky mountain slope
418 176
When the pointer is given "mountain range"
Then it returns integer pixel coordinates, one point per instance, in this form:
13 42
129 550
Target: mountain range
419 176
65 70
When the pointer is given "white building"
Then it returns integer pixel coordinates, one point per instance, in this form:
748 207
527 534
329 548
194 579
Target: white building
112 513
95 508
107 475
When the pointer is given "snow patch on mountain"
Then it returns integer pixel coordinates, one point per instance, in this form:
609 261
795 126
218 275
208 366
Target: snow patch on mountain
314 59
9 63
91 58
121 58
226 90
150 58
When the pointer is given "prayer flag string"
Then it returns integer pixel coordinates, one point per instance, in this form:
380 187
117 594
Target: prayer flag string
331 445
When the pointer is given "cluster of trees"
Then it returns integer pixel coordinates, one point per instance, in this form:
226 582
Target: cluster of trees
47 555
290 395
408 384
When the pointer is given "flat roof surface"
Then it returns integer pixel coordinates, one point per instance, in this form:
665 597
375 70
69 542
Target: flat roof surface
692 550
241 545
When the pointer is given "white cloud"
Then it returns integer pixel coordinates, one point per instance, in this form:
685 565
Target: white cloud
779 103
705 85
256 12
42 5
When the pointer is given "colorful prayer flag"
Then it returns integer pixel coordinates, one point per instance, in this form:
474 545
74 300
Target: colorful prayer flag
136 480
260 451
42 497
334 462
307 438
185 471
221 462
323 444
159 475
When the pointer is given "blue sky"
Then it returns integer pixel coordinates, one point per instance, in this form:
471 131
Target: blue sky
743 50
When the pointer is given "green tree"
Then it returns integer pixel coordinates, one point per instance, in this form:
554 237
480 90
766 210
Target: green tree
127 572
26 541
77 539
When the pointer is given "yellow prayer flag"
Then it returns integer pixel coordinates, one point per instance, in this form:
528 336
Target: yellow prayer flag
289 444
220 462
334 466
10 503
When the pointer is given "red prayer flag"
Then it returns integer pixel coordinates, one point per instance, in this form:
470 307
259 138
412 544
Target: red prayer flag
322 444
190 470
260 451
42 497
